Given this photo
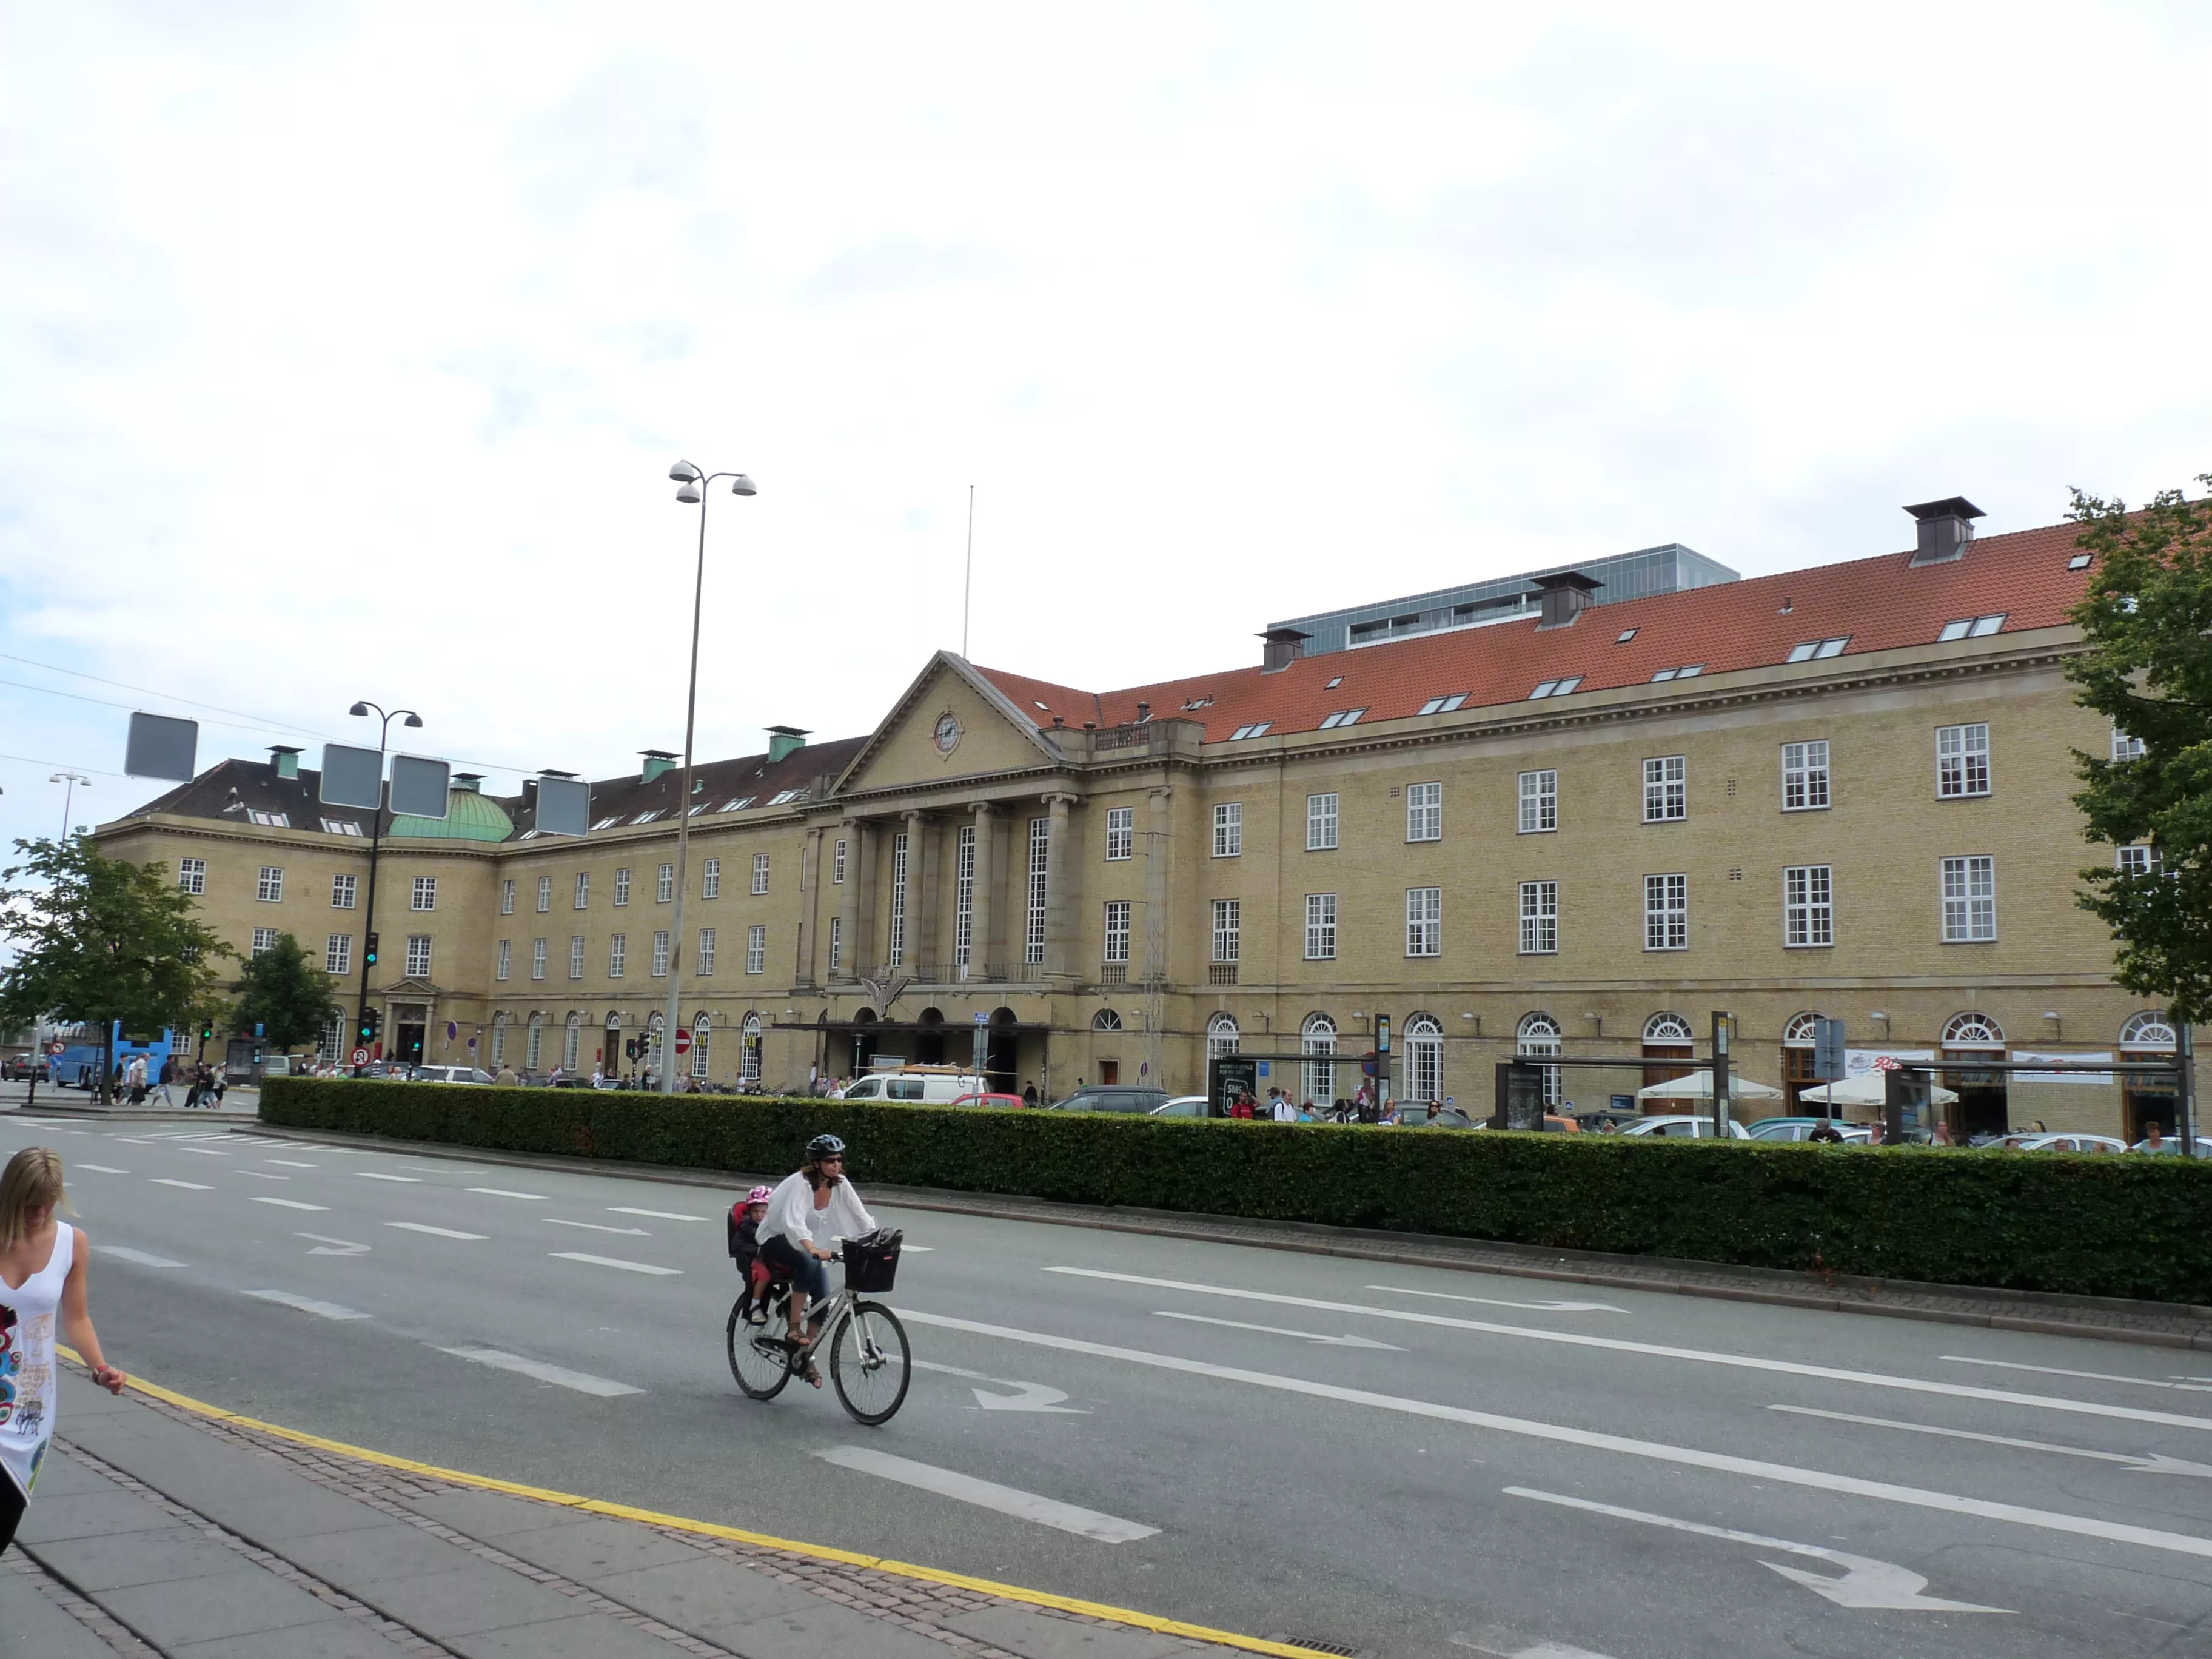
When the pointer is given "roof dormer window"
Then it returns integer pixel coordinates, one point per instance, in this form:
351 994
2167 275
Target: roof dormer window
784 797
608 823
1256 729
340 827
2079 561
1443 705
1341 717
646 817
1556 688
1813 650
1688 673
1972 627
270 820
1333 684
1624 636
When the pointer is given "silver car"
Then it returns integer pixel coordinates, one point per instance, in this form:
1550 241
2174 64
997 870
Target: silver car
1683 1128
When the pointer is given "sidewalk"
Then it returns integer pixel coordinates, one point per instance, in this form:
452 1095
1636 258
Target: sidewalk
241 1103
159 1531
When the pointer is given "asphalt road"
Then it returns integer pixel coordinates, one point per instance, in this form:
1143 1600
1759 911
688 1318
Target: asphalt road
1398 1460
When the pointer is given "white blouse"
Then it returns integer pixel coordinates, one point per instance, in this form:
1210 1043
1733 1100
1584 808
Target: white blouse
792 1215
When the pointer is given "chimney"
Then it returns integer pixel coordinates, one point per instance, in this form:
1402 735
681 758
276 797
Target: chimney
1567 596
469 783
1282 648
285 759
657 760
1144 712
1946 527
784 741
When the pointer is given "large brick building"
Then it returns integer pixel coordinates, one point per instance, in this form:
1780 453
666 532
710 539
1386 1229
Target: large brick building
1841 790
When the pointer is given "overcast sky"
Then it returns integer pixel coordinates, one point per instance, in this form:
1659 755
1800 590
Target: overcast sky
345 349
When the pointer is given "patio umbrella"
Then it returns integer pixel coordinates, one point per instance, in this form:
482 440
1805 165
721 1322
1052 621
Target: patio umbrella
1698 1086
1867 1088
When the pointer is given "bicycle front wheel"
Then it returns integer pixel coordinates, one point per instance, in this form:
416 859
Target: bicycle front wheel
868 1362
758 1359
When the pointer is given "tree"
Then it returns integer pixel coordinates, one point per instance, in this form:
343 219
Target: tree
285 994
2147 618
100 940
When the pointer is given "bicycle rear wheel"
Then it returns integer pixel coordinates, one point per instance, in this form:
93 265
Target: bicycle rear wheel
868 1362
758 1359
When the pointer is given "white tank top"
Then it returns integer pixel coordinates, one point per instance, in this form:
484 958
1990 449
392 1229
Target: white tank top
27 1377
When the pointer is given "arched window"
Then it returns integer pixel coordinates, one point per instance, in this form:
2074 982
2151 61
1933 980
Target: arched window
1797 1056
537 1042
1973 1032
1221 1036
1425 1058
610 1056
1668 1049
2148 1032
1537 1037
1318 1036
333 1033
1668 1028
573 1042
703 1031
499 1039
749 1050
1105 1020
1798 1033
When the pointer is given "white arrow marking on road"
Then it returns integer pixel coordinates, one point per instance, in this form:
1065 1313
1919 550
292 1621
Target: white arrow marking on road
307 1304
2093 1376
1865 1583
189 1186
139 1257
614 1261
288 1203
500 1192
436 1232
372 1175
1277 1330
581 1381
101 1168
657 1215
2148 1462
333 1246
1497 1302
634 1233
1622 1345
989 1494
1033 1397
2178 1543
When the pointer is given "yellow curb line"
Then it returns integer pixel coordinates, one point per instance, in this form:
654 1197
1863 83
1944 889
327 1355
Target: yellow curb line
712 1529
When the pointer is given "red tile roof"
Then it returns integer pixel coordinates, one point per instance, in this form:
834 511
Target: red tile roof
1881 604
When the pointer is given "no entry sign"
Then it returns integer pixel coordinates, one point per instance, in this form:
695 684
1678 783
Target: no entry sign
683 1042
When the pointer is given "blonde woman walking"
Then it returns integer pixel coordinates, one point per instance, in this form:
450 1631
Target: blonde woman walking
42 1278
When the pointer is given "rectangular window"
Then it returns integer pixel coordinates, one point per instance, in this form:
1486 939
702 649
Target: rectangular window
418 956
1805 776
1424 811
757 948
1962 761
618 951
575 956
760 874
337 954
837 863
264 939
661 954
664 885
710 879
1540 802
706 950
425 895
622 887
1229 829
897 957
1320 823
507 898
836 943
1539 918
1120 833
1666 789
342 892
1320 926
544 894
1970 900
2136 861
2125 748
1117 930
1425 921
1808 911
1666 913
271 887
537 958
964 897
505 959
583 889
191 875
1228 929
1033 924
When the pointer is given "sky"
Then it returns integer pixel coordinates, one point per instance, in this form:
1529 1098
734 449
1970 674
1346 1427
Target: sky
344 350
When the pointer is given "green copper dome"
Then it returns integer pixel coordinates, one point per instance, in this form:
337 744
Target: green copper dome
469 817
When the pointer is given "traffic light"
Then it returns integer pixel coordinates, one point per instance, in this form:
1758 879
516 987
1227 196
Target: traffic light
369 956
370 1019
207 1032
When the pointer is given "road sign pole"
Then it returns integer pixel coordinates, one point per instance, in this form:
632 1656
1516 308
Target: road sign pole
1720 1074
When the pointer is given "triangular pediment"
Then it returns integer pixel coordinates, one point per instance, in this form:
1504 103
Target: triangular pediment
951 724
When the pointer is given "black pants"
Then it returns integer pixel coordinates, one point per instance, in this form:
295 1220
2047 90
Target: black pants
12 1505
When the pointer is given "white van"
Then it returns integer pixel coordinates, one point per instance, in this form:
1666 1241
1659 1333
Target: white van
917 1086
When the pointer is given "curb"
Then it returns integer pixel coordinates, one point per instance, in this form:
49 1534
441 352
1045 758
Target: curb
1769 1287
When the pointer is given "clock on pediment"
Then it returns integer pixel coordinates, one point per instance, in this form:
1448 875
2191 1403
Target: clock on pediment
948 733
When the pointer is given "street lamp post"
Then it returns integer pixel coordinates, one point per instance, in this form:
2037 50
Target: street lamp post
375 839
691 488
72 779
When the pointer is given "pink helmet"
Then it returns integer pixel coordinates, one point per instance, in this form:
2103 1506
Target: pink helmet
759 1195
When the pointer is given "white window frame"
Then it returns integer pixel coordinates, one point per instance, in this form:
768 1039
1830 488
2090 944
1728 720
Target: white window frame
749 1049
663 885
344 891
1317 1038
964 896
760 874
1805 775
896 947
418 956
1537 1037
535 1045
1117 930
2138 858
1540 919
1539 799
1666 788
836 943
537 958
837 863
423 896
1425 1058
617 953
191 875
265 940
583 889
1425 921
1968 885
1229 829
504 964
337 955
706 951
1223 1035
661 954
269 887
1120 833
1322 823
575 956
1667 912
1808 907
622 888
571 1043
2125 748
1962 761
1321 927
1424 811
1039 887
710 879
703 1037
507 898
1228 929
544 894
757 948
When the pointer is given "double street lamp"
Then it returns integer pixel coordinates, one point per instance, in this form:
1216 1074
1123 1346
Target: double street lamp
692 490
406 717
69 795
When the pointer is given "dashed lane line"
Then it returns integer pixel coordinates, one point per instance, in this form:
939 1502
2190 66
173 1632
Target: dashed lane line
374 1174
189 1186
288 1203
264 1174
291 1164
655 1215
99 1169
437 1232
614 1261
123 1253
989 1495
593 1226
307 1304
501 1192
581 1381
2190 1385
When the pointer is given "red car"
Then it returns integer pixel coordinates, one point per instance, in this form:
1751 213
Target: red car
1003 1102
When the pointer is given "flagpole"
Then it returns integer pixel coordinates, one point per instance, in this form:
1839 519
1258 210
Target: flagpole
968 579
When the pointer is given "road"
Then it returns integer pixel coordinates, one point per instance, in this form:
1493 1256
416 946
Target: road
1395 1461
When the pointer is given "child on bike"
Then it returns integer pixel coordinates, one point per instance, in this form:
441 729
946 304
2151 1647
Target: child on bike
745 1250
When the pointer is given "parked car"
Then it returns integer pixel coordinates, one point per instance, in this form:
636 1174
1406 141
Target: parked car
1418 1116
1184 1106
916 1088
1000 1102
1103 1097
451 1074
1801 1128
2065 1143
1683 1128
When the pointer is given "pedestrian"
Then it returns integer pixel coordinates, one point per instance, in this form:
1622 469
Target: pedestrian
42 1283
1875 1130
599 1077
506 1078
2153 1138
1030 1093
1244 1107
169 1075
222 1085
1825 1132
1286 1112
192 1090
1943 1136
135 1079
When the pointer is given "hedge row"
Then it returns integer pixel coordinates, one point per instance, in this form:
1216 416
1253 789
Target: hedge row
2127 1226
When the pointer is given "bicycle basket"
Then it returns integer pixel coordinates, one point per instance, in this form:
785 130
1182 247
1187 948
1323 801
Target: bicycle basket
871 1262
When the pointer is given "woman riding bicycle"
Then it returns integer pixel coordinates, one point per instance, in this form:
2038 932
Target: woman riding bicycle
806 1211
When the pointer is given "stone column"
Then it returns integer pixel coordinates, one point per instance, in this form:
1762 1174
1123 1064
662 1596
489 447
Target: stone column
1157 951
1059 934
805 973
926 880
912 823
982 947
853 910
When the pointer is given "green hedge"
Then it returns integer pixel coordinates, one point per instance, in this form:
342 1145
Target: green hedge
2092 1226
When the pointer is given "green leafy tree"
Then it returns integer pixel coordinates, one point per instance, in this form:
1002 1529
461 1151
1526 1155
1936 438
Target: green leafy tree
2148 617
285 994
100 941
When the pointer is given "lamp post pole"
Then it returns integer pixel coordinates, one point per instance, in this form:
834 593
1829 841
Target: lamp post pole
375 841
69 795
691 487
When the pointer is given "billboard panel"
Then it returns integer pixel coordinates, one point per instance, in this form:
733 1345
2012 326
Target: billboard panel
352 777
419 786
161 746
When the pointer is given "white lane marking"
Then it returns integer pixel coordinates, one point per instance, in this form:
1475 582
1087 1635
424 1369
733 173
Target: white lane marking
288 1203
436 1232
307 1304
656 1215
918 1249
501 1192
633 1232
291 1164
581 1381
2190 1386
1540 1650
1032 1397
99 1169
333 1246
372 1175
2148 1463
1500 1302
614 1261
1277 1330
1820 1480
1622 1345
264 1174
130 1141
1866 1582
189 1186
989 1494
139 1257
204 1151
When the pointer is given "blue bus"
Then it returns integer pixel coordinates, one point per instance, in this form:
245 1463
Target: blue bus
77 1066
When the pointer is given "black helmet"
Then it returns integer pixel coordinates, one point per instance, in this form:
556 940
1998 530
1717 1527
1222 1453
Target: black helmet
823 1147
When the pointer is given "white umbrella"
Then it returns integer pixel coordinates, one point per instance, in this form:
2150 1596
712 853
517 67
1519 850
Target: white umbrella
1698 1086
1867 1088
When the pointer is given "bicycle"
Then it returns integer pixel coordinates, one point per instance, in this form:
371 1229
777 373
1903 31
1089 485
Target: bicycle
868 1345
